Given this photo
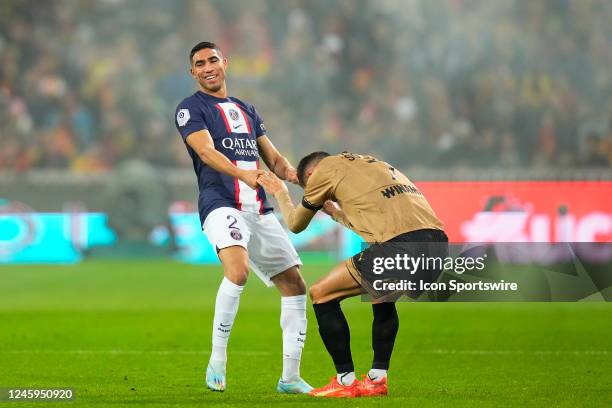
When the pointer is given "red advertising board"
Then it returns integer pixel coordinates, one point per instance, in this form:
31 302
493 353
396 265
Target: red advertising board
523 211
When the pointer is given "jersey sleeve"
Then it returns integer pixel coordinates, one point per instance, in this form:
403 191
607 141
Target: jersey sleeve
319 188
189 119
260 128
296 218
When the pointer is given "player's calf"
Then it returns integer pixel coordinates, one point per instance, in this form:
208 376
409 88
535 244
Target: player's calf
384 330
290 282
226 307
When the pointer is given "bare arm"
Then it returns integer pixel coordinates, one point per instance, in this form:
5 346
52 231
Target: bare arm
201 142
275 161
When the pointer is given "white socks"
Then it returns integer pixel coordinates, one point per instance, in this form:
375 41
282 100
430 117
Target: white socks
293 323
346 378
376 374
226 307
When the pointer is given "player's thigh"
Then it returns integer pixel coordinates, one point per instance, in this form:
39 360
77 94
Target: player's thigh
337 284
229 234
270 251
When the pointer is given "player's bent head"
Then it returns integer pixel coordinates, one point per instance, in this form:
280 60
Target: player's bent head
307 165
203 45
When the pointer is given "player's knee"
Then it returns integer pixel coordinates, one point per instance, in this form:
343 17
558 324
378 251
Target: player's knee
290 282
298 285
237 274
316 292
237 278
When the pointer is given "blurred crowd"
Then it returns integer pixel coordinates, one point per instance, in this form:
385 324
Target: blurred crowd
86 84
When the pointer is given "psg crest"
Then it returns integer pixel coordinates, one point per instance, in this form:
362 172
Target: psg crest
233 114
236 234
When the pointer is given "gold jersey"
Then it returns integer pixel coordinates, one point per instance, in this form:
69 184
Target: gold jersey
378 202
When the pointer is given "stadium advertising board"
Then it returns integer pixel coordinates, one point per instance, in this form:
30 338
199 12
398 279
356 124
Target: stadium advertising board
473 211
523 211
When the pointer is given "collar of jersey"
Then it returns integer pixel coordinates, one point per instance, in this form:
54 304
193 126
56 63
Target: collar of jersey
213 97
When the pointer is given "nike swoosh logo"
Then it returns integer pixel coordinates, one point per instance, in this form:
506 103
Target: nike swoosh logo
302 334
237 126
225 325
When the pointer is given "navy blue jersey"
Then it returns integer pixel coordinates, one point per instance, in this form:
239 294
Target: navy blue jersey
234 126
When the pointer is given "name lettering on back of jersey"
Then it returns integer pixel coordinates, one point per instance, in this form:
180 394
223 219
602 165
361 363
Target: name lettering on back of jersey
398 189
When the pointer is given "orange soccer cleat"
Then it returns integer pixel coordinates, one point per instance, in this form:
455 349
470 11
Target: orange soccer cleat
370 388
336 390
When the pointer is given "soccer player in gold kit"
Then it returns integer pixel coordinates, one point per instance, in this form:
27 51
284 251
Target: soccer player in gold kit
385 208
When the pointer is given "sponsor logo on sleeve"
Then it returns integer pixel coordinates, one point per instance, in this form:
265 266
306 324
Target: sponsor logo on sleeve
182 117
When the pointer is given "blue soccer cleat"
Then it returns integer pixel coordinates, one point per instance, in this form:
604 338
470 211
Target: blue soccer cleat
298 386
215 379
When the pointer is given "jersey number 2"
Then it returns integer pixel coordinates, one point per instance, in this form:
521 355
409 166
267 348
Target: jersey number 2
233 223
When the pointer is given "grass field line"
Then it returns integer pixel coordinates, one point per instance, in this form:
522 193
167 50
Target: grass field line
265 353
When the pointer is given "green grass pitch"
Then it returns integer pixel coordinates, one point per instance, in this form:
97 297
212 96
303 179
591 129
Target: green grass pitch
138 334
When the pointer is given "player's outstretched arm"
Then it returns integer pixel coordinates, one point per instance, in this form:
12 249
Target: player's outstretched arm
296 218
201 142
276 161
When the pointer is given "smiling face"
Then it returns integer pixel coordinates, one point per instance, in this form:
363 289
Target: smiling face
208 68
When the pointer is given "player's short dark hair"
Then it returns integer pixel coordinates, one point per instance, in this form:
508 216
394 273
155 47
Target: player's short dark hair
200 46
306 161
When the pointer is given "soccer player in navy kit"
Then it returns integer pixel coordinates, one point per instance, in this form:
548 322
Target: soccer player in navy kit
225 138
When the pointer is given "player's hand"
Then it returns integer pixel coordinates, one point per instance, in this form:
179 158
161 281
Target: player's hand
330 207
249 177
271 183
291 175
